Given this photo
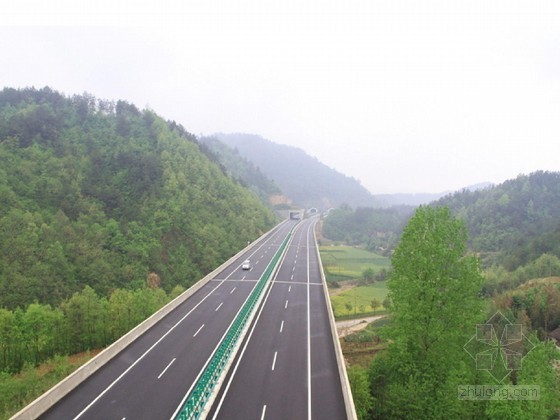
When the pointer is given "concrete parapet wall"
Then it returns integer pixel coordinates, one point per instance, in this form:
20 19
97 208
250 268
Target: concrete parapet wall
346 391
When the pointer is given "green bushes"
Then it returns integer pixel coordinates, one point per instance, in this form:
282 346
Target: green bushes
83 322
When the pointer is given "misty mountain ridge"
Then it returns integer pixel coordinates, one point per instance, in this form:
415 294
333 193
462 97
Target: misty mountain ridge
244 171
510 224
418 199
303 179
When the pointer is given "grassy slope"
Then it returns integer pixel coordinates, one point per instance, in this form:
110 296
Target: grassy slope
16 391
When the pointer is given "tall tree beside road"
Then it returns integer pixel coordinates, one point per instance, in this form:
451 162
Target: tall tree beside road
434 292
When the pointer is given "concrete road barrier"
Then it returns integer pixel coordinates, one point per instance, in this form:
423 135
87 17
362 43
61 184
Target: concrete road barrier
346 391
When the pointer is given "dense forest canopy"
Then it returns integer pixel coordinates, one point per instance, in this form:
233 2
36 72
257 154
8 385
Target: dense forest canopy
515 222
103 194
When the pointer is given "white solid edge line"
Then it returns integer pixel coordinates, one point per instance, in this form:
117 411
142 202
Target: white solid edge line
308 334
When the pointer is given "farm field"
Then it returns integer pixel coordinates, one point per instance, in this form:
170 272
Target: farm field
348 263
356 301
344 266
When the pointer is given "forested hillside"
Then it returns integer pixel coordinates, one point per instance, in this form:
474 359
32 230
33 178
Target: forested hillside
510 224
513 223
103 194
303 178
378 229
241 169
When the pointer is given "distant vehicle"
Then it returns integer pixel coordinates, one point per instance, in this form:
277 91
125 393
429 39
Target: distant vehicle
246 265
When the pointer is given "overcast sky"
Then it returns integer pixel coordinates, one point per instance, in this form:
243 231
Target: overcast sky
405 96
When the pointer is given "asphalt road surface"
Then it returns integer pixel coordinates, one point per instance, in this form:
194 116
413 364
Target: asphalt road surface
287 368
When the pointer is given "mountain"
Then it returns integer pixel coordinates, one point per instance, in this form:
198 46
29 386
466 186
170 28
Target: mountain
308 182
100 193
406 199
418 199
241 169
512 223
509 225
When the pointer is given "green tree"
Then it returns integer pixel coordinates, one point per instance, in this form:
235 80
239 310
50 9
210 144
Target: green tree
40 327
538 370
386 303
10 339
368 275
84 316
433 288
357 376
120 312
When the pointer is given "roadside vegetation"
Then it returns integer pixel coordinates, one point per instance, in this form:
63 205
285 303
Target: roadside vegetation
361 301
412 367
16 391
342 263
39 346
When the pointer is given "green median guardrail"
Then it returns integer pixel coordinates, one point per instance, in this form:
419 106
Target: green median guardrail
202 391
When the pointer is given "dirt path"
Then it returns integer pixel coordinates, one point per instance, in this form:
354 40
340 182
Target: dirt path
344 328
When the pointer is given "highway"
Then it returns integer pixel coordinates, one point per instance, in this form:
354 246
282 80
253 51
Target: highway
287 369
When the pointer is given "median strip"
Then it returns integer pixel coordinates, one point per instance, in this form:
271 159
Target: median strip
201 393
